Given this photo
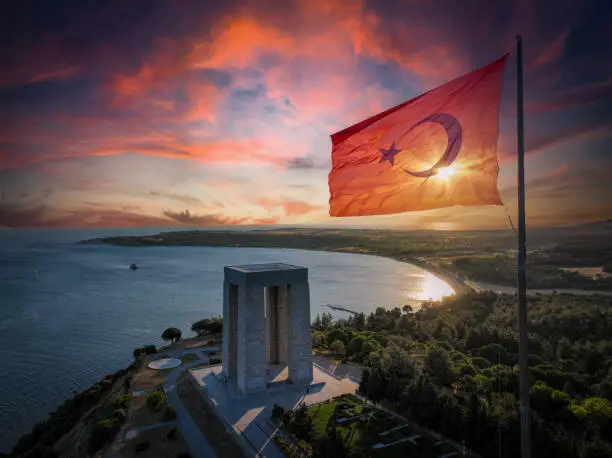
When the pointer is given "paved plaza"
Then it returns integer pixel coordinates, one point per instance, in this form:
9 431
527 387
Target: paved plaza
250 415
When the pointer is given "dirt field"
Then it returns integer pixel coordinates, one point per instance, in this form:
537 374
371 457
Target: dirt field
160 446
147 378
140 415
589 272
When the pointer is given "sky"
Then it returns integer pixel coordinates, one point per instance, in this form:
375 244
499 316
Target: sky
188 113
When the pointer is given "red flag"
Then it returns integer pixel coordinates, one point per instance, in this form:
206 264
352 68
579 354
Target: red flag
436 150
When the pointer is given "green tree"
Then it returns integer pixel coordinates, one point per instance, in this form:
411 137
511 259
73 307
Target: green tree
146 350
494 353
277 412
102 432
337 347
355 347
360 322
318 338
172 334
337 334
330 445
155 400
439 365
376 386
326 320
301 423
208 326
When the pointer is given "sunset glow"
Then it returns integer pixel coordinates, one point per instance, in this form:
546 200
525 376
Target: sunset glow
445 173
219 114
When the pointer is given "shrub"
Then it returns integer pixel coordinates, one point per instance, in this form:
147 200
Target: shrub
169 414
466 369
208 326
124 401
480 362
172 334
277 412
172 434
146 350
337 347
119 414
102 432
155 400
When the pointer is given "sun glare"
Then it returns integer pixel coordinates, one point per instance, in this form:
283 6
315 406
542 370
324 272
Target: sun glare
431 288
446 172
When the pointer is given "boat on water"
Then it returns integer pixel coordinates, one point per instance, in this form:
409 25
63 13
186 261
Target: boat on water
133 266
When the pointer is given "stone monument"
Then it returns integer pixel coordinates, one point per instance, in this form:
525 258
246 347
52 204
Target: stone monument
266 324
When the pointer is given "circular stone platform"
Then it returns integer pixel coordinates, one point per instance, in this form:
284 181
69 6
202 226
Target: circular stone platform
165 363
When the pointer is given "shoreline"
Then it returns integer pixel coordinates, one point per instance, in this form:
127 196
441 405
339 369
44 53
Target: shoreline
458 286
333 243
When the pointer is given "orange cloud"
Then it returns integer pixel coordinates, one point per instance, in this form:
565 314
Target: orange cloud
45 216
55 74
553 51
289 206
187 218
316 50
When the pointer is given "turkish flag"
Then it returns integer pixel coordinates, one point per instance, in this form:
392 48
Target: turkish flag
436 150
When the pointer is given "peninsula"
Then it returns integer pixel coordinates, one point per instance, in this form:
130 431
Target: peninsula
577 257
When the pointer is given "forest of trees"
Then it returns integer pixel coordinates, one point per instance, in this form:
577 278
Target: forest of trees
453 367
542 273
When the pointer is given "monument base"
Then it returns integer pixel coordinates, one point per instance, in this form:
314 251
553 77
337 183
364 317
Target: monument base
250 414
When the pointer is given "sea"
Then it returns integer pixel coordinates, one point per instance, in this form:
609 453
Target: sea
71 313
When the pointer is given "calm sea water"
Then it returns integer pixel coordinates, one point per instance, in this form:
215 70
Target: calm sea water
70 313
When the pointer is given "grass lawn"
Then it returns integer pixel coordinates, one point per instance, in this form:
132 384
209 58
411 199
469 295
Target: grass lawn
359 433
189 357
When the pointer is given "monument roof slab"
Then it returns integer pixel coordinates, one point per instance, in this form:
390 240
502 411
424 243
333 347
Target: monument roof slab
269 274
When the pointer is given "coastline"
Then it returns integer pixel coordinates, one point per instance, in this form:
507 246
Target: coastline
415 248
459 286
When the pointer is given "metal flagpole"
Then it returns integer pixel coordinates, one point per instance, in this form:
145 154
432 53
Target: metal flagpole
522 254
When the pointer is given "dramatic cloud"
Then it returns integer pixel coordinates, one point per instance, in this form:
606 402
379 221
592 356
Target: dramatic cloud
189 200
225 102
290 207
188 219
553 51
598 92
43 216
300 163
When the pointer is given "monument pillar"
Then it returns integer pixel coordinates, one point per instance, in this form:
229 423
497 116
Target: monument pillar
252 362
230 328
266 322
300 341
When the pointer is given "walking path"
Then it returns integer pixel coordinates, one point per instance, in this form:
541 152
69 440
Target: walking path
198 446
161 424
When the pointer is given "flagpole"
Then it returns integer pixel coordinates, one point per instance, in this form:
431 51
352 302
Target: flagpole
522 255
